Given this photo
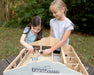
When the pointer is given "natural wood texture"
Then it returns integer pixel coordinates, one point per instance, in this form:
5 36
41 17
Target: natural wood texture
56 58
13 63
28 58
68 56
71 59
46 42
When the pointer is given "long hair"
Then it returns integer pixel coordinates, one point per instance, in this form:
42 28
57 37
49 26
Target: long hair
36 20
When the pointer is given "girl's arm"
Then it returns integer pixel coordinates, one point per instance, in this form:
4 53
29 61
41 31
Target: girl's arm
58 45
51 31
22 41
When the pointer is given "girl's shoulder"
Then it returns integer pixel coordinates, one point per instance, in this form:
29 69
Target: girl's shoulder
26 29
68 21
54 19
69 25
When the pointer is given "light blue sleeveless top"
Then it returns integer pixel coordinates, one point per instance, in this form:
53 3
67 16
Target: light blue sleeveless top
30 37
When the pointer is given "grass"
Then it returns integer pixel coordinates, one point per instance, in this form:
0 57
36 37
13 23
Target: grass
10 46
9 42
83 44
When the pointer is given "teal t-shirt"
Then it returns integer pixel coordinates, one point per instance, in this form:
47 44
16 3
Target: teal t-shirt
30 37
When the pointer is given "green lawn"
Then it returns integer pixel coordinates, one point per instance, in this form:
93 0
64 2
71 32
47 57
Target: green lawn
10 46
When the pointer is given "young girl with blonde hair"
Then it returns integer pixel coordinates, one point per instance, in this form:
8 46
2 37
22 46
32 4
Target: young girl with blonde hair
60 26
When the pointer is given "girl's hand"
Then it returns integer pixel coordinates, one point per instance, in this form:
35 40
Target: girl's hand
30 48
47 51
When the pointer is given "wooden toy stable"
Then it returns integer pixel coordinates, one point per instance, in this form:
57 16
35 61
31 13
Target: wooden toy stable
68 56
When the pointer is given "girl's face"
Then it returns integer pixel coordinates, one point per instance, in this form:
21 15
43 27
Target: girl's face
36 29
57 13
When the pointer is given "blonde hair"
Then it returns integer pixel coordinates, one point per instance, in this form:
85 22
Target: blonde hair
59 4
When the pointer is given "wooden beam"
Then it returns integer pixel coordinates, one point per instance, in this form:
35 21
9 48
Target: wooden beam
81 66
63 56
14 61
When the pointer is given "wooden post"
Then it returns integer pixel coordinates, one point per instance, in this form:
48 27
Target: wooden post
0 10
3 10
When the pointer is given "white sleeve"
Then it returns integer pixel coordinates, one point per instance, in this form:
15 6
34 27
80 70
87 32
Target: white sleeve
51 22
69 26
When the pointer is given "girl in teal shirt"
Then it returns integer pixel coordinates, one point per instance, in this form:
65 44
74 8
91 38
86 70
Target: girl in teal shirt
32 32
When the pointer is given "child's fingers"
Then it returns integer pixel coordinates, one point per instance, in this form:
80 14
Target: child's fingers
31 50
46 52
